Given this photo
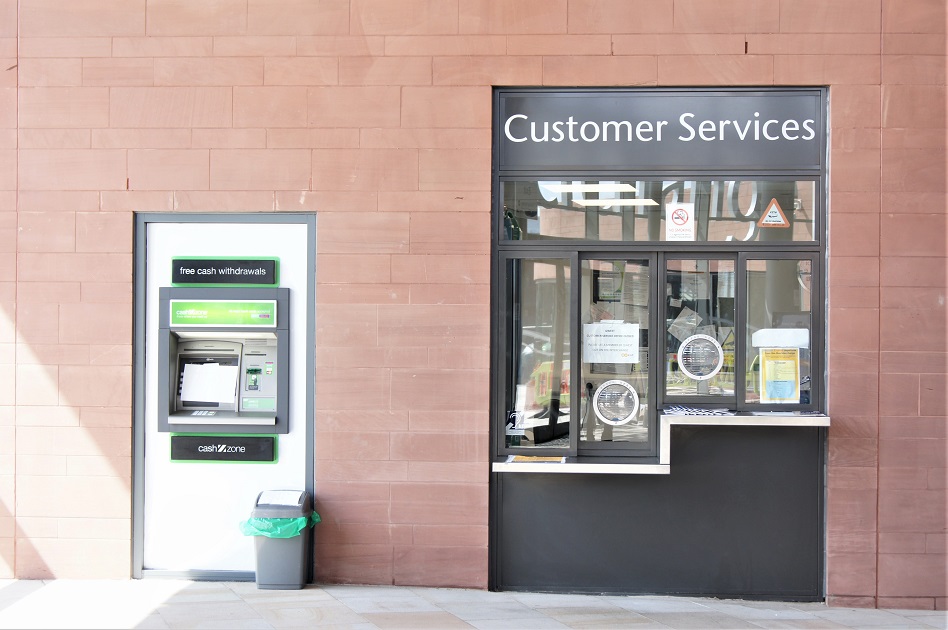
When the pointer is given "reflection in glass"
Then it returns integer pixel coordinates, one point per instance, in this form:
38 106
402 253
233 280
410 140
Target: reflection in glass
614 210
700 357
615 302
538 399
699 327
779 331
616 402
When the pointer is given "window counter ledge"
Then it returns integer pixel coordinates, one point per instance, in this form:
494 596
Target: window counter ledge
663 467
581 468
758 419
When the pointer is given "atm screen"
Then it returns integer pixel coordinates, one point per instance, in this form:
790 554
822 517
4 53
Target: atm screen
207 382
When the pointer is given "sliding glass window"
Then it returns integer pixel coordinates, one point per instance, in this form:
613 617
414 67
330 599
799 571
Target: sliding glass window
779 332
699 328
538 331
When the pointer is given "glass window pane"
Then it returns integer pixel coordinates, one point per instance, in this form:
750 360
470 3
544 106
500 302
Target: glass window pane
538 397
699 327
615 305
779 331
661 210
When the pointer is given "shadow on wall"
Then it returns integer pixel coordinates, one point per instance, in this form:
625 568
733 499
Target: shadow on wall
69 492
8 552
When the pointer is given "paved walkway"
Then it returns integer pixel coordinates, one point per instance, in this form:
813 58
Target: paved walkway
160 603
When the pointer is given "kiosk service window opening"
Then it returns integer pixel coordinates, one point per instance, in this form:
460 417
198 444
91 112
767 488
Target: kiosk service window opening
625 300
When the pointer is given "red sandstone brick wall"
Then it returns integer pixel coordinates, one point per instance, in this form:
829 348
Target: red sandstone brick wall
376 115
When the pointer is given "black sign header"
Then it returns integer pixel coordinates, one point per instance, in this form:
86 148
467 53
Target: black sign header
223 271
220 448
660 129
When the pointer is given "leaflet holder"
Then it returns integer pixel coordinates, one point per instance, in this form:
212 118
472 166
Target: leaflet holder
224 360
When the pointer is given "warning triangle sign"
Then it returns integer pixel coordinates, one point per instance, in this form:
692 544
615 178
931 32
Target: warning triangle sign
773 216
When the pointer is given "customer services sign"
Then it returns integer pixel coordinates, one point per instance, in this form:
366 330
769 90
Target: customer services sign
750 129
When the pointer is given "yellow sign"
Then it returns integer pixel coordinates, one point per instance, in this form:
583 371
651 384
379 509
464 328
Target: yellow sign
780 375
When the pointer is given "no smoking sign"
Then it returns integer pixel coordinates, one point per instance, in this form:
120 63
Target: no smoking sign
680 222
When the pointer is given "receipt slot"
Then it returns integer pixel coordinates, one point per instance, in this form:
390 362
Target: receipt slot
225 360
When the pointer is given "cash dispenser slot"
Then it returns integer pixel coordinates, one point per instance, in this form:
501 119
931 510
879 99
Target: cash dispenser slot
207 376
222 377
226 381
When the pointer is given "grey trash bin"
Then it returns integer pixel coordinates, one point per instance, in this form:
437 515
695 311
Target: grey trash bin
282 562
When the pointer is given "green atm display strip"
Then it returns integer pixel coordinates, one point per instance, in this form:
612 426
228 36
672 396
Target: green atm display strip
224 313
260 403
224 448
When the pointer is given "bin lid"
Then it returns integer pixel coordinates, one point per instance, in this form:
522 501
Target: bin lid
281 497
283 504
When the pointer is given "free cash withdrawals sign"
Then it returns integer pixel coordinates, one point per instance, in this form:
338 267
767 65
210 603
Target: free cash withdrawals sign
228 271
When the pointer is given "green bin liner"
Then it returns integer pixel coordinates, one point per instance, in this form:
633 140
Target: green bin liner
277 527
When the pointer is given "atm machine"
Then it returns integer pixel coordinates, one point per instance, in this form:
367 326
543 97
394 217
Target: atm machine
226 352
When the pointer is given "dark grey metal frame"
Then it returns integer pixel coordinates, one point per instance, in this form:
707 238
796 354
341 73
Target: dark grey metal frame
307 328
502 250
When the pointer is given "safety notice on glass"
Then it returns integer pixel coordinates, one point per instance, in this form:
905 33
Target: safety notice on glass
780 375
610 342
680 222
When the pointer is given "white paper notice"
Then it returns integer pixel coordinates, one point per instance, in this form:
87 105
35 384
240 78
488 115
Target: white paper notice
685 324
209 382
610 342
